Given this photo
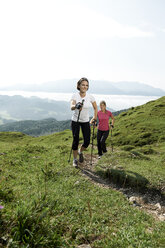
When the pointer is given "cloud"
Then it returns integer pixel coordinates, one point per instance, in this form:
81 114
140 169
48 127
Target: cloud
42 40
77 21
62 19
96 25
162 30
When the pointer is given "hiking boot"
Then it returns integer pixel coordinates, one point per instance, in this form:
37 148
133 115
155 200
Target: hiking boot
75 163
100 155
81 158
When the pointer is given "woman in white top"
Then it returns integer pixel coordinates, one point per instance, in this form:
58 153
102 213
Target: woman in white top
80 103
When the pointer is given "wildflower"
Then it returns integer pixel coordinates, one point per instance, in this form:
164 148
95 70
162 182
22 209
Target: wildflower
1 207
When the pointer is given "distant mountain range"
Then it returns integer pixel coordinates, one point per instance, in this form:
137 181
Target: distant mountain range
95 86
39 127
18 108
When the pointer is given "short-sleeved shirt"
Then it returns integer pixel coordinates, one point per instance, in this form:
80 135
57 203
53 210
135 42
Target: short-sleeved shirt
104 120
84 114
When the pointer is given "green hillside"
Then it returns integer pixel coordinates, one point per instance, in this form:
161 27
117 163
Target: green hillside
36 128
48 203
141 125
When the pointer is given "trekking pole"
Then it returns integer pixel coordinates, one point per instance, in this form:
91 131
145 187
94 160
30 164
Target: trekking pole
92 141
75 132
111 140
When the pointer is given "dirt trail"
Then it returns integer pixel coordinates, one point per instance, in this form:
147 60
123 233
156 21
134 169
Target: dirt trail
149 202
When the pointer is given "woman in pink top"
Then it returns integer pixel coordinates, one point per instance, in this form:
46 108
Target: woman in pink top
103 127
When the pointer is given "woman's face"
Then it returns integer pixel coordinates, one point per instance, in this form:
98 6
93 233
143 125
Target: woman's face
102 107
83 86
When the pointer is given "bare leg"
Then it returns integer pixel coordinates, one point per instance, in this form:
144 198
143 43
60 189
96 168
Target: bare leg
82 149
75 152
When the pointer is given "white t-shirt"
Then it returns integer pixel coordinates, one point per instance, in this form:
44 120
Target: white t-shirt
84 114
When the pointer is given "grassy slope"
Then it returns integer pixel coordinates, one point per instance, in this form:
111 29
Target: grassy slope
136 169
141 125
47 203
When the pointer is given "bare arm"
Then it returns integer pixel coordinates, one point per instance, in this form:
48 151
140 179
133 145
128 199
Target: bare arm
73 104
95 112
113 120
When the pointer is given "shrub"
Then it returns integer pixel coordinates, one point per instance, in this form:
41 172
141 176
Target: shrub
127 147
126 178
30 227
137 155
146 150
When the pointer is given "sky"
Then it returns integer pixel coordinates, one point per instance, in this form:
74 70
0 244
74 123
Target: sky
115 40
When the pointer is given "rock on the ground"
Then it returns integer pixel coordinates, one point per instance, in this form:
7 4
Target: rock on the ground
132 199
161 217
136 201
158 206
